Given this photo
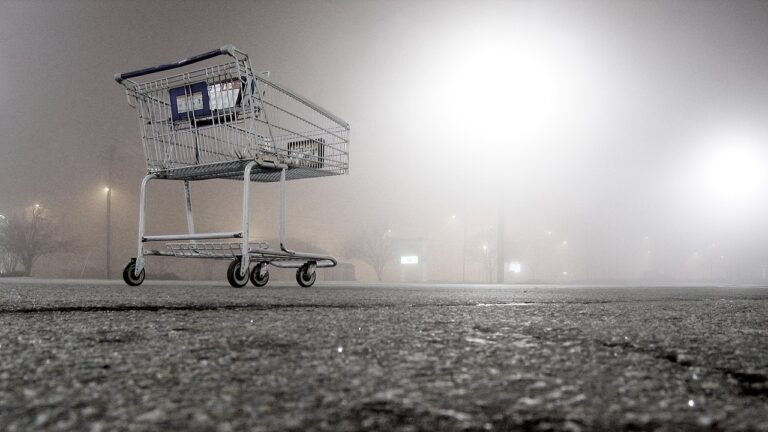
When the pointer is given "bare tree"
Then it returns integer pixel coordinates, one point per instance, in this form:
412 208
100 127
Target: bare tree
27 236
8 260
373 246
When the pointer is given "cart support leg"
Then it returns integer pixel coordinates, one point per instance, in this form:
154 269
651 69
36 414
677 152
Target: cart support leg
142 219
188 202
245 253
282 213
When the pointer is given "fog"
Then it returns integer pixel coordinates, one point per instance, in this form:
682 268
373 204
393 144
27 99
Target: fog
612 141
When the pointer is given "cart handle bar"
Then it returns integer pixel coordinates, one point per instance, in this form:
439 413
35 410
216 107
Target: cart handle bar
226 49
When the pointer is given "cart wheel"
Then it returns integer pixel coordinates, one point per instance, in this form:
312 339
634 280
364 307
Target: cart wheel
256 277
304 278
233 275
129 277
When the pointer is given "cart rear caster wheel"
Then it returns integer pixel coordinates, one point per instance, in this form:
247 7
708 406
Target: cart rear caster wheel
304 277
130 277
258 278
233 274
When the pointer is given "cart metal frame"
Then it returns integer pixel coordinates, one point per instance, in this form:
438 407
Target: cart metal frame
261 132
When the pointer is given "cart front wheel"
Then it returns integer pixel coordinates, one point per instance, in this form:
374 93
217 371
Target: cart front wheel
129 275
233 274
260 274
304 277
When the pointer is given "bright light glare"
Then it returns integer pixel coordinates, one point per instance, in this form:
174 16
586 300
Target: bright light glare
106 189
409 259
500 79
491 87
515 267
733 171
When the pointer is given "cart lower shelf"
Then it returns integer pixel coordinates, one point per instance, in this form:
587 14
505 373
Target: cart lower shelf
260 254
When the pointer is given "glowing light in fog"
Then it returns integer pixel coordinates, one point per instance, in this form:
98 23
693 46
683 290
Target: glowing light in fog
733 170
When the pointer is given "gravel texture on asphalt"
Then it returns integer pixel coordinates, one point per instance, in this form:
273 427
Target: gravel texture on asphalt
98 356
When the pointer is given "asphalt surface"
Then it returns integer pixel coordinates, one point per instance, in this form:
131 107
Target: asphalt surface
98 356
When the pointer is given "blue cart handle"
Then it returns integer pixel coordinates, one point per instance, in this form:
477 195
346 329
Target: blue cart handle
226 49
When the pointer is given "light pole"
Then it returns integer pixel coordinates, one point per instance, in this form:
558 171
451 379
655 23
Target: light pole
464 253
463 247
500 242
108 190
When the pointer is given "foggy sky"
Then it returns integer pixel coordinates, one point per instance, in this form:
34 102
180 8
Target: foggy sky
583 118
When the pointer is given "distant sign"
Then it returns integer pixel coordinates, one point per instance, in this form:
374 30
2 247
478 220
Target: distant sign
409 259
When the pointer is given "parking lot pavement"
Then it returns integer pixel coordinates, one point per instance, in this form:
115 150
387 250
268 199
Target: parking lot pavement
98 355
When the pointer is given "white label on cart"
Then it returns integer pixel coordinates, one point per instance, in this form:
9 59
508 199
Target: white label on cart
186 103
223 95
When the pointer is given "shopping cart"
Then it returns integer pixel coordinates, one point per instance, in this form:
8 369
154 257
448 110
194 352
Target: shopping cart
226 121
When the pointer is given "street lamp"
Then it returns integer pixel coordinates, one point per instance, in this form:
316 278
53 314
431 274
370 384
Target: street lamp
108 190
463 247
36 210
488 263
500 241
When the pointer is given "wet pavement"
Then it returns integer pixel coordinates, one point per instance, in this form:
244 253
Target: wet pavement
99 356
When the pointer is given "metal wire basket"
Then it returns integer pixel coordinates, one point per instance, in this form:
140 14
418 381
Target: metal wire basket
208 122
